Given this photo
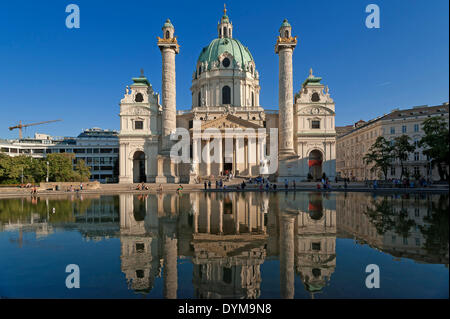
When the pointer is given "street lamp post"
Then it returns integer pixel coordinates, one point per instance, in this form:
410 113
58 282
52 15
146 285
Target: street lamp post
46 180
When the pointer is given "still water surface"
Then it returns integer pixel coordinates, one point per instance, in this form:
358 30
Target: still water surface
225 245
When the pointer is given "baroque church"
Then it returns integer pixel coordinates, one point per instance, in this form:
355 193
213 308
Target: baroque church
225 94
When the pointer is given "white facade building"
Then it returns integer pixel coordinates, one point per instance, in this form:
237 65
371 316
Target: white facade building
225 94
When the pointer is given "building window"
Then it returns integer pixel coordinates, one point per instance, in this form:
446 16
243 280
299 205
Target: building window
226 62
140 247
392 130
404 129
225 32
167 34
226 95
315 246
286 34
138 125
416 127
253 99
416 156
315 124
139 97
315 97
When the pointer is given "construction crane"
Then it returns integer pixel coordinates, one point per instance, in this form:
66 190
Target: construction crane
20 126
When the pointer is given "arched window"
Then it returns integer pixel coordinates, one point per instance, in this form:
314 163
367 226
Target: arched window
315 97
220 33
253 99
226 95
167 34
139 97
286 34
199 102
225 32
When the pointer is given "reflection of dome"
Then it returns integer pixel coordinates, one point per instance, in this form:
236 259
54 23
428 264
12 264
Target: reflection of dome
217 47
315 287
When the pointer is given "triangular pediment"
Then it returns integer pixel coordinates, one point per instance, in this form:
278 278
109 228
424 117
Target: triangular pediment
229 121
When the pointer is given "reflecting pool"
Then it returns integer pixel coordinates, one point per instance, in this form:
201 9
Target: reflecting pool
226 245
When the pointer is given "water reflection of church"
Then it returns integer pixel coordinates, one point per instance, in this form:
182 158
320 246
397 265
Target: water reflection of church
227 237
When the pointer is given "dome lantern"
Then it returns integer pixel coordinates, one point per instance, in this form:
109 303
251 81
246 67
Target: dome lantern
225 27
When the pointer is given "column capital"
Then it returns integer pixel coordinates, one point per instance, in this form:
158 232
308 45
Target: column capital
285 43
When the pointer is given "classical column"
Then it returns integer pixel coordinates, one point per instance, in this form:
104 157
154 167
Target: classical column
169 48
221 217
208 213
284 48
235 144
195 222
170 260
195 159
208 158
236 215
250 225
287 255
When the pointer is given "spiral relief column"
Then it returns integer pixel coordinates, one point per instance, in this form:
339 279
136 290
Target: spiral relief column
284 48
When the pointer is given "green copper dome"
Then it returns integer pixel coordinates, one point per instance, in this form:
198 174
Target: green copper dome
168 24
285 23
218 46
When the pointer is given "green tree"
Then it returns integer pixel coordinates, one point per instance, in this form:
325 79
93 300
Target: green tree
60 167
380 155
382 214
13 168
436 229
401 150
82 170
435 144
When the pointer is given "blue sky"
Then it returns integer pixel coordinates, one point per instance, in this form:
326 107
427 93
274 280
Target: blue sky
49 72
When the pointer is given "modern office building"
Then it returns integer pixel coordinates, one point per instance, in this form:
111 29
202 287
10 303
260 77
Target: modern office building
97 147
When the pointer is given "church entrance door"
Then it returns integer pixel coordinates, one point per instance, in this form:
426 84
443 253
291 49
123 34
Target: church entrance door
139 167
227 168
315 164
